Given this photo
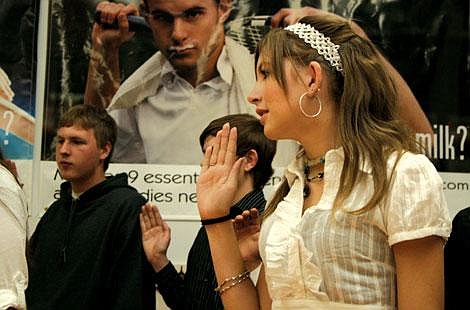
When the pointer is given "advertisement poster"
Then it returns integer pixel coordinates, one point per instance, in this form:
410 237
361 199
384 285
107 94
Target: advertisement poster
426 41
18 24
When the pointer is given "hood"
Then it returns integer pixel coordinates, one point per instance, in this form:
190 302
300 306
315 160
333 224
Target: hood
100 189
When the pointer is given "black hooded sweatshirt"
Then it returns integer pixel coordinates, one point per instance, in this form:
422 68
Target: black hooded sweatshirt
87 253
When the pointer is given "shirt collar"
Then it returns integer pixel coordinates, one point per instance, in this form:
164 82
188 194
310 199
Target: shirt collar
332 157
168 73
224 67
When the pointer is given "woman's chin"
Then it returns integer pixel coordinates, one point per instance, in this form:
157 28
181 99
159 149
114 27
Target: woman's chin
271 134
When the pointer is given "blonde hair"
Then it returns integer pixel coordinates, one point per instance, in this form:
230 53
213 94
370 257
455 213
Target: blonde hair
366 100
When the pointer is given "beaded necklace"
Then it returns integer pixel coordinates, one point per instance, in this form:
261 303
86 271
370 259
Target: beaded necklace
308 163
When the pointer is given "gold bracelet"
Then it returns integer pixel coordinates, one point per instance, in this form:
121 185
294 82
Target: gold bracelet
238 276
233 284
233 281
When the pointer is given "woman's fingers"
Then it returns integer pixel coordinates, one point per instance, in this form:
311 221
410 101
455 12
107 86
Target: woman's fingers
224 136
231 153
224 149
215 149
225 146
206 159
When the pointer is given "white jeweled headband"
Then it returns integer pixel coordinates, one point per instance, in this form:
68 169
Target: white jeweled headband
318 41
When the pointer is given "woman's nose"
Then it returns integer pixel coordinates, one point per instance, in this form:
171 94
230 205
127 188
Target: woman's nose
253 97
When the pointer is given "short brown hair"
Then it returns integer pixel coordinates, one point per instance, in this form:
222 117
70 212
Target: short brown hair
96 118
250 136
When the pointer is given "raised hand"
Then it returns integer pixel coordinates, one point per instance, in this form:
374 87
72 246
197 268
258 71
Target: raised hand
156 235
220 172
247 227
113 38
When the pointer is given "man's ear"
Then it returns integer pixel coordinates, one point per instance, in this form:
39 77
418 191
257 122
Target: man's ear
251 159
225 7
105 151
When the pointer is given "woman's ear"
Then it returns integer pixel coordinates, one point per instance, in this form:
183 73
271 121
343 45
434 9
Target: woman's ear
314 76
251 159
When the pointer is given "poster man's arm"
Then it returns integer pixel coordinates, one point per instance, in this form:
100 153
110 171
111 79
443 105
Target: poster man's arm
103 79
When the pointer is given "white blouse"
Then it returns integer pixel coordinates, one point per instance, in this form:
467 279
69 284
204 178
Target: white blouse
13 231
312 260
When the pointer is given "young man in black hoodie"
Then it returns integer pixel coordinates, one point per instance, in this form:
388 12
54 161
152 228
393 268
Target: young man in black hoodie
86 251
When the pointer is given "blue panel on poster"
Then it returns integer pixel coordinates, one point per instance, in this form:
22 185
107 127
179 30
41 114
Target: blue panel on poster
14 147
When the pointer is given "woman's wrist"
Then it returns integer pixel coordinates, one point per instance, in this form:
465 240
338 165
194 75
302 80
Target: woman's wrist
208 212
216 220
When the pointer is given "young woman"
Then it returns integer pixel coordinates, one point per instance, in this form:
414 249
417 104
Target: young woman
14 233
360 219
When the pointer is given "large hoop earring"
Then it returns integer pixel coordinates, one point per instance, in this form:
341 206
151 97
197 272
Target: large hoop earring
302 109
